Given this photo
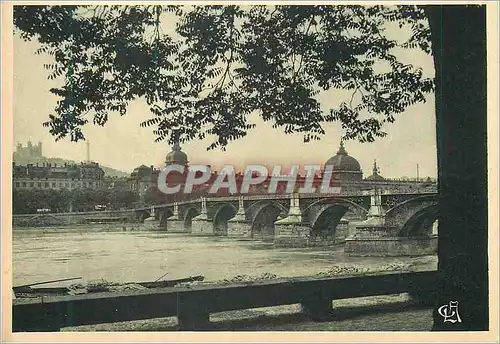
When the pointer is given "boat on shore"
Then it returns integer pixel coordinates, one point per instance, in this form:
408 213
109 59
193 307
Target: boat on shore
29 291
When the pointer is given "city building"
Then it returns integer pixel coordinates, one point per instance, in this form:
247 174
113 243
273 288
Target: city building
347 174
53 176
143 178
118 183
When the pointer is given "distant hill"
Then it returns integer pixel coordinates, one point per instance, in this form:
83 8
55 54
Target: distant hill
109 172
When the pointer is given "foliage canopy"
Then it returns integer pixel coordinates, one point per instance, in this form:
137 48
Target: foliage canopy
219 64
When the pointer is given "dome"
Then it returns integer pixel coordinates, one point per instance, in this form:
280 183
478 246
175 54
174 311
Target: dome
375 176
176 156
343 162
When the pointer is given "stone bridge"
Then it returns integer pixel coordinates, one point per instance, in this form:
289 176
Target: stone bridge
368 222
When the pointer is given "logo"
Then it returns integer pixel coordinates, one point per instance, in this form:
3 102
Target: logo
449 312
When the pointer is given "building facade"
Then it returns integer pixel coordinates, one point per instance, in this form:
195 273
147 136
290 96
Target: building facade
53 176
142 179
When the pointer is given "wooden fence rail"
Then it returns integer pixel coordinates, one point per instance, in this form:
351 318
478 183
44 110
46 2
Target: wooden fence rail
192 305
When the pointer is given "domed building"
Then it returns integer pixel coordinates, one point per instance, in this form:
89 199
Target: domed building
344 166
176 156
375 175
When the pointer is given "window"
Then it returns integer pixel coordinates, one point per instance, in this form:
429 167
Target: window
54 184
32 184
23 184
17 184
46 184
39 184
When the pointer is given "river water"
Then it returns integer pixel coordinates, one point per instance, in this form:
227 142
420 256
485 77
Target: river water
134 256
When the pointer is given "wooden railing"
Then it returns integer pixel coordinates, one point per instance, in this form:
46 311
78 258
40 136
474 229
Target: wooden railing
192 305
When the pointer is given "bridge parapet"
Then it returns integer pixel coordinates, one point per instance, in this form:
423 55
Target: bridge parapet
235 198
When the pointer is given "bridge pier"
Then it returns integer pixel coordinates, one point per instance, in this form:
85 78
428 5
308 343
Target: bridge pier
151 223
238 226
201 225
374 237
290 231
175 224
341 231
363 241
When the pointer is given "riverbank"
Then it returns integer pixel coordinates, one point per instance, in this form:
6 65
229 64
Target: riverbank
93 227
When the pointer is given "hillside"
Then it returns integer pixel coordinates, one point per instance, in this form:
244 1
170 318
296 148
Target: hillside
109 172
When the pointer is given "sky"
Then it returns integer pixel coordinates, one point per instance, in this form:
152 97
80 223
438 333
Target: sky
122 144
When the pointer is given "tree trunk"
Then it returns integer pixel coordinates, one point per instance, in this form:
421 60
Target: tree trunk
459 49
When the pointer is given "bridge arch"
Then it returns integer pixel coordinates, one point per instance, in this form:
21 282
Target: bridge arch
263 216
224 212
421 223
413 209
189 214
326 221
325 208
416 200
336 200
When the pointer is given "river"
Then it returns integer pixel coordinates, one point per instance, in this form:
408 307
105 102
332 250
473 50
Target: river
132 256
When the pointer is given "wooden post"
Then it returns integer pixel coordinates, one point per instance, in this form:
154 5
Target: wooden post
317 307
192 321
192 314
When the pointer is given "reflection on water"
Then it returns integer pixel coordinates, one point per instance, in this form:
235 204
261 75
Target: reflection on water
126 256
